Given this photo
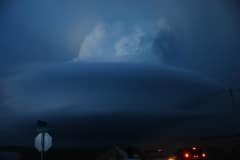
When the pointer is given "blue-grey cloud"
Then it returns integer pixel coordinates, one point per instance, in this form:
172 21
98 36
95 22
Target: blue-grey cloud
122 43
100 88
71 130
204 42
2 100
165 45
47 33
35 32
121 99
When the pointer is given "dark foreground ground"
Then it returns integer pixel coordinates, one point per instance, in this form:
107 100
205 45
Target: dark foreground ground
218 148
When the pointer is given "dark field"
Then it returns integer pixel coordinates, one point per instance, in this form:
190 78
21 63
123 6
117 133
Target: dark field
218 148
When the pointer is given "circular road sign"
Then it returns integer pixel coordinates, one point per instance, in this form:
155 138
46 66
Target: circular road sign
43 142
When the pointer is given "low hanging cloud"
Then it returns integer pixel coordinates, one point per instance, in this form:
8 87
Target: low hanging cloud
120 43
107 88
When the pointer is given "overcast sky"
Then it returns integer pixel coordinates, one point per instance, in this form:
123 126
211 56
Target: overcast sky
136 58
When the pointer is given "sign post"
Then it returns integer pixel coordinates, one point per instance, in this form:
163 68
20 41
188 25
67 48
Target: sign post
43 141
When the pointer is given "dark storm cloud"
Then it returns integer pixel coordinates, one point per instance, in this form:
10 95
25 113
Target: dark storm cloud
96 101
112 103
4 4
165 44
20 47
205 42
105 103
73 130
102 87
31 33
124 129
3 98
48 32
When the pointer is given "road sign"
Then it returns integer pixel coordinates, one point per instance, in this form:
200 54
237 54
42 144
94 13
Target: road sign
43 142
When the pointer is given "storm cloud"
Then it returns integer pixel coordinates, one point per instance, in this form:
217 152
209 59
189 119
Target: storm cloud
122 43
109 88
117 62
52 32
120 99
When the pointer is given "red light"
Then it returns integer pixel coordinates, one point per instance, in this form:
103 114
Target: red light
186 155
194 148
204 155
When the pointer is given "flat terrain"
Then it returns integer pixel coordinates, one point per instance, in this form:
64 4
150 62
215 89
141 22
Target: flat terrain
218 148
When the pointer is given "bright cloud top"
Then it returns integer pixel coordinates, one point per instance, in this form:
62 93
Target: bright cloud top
120 43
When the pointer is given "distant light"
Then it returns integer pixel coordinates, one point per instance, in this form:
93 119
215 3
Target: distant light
204 155
186 155
194 148
171 158
159 150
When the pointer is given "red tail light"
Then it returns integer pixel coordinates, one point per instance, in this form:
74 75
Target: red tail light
186 155
204 155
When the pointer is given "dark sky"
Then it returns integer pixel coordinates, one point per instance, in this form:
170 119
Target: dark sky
116 68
